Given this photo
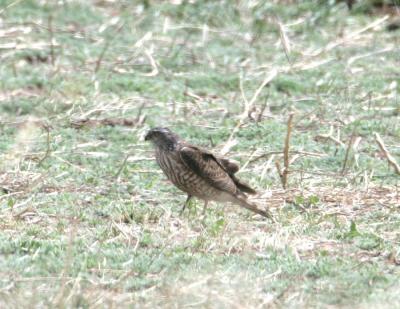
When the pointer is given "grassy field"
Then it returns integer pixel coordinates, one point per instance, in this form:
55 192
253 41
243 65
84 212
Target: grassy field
87 219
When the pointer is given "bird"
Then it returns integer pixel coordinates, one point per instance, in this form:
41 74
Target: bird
198 172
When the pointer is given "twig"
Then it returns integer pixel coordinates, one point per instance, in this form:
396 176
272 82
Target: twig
249 104
278 168
227 147
248 161
10 5
286 151
358 57
103 51
154 68
139 117
350 36
180 46
50 24
329 137
391 160
296 152
47 149
284 39
105 48
8 195
14 207
265 82
305 65
263 107
346 157
122 165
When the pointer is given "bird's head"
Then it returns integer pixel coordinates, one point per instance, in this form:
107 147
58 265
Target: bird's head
162 137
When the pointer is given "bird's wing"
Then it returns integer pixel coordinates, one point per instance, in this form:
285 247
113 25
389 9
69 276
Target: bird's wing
228 165
231 168
208 167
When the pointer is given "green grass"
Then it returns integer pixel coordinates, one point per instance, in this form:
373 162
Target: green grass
79 228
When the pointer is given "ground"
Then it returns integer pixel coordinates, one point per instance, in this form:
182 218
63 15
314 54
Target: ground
87 218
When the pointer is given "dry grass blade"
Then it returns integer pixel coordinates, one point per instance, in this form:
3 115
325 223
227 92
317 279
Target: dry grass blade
154 68
279 170
100 58
51 31
346 157
284 39
352 36
112 122
122 166
249 104
391 160
366 55
88 220
48 150
228 146
10 5
286 162
270 76
106 47
325 137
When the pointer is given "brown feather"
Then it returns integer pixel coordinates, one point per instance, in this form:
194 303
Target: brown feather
243 186
198 172
206 166
230 166
246 204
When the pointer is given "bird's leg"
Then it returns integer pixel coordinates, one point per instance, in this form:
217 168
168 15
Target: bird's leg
184 205
205 207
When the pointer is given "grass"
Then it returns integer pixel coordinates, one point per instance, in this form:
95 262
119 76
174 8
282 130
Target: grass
82 227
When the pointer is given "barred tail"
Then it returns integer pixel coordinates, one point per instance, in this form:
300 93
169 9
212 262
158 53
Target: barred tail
244 203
